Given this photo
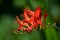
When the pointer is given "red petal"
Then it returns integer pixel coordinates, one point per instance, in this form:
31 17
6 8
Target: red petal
25 15
35 25
39 22
30 12
19 21
26 24
31 20
29 29
38 13
45 15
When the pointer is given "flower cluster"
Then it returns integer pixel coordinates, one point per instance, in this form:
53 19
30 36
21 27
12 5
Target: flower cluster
31 20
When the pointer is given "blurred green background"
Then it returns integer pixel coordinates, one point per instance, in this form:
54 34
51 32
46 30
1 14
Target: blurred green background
10 8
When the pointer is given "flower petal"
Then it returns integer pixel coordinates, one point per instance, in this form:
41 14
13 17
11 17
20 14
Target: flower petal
31 21
38 13
39 22
30 12
25 15
45 15
19 21
29 29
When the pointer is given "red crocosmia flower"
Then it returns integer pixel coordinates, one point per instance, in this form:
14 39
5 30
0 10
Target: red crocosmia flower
38 12
25 15
21 24
35 25
30 12
38 16
19 21
26 24
40 22
45 15
31 21
29 29
32 18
